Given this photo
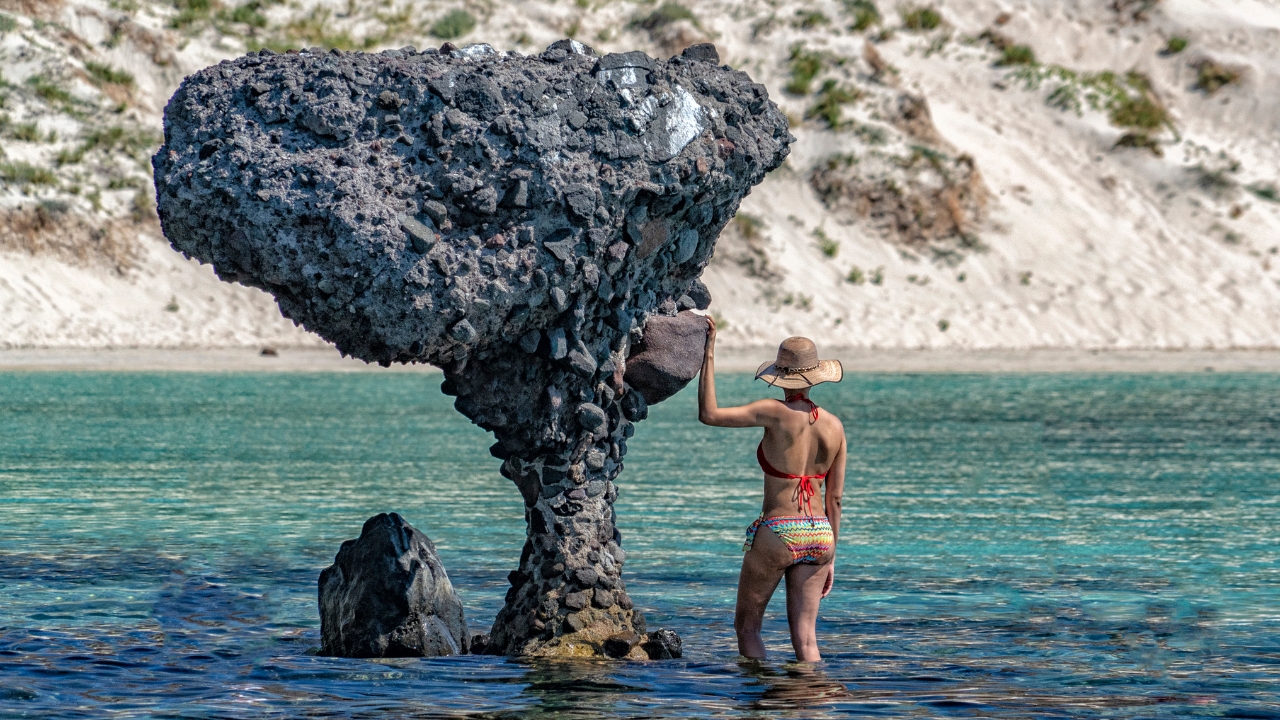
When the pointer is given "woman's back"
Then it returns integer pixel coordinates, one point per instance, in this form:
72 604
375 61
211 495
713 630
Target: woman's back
798 445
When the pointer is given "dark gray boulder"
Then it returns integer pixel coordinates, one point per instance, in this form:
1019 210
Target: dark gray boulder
657 645
509 219
387 595
668 357
663 645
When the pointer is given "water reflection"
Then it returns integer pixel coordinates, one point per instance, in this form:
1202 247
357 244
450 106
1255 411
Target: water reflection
793 687
558 686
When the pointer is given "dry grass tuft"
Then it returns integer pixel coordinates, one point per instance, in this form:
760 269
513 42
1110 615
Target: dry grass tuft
747 247
936 203
864 13
1134 10
920 18
913 118
1212 76
40 9
50 228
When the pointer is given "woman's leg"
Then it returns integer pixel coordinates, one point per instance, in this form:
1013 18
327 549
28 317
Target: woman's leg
804 592
762 569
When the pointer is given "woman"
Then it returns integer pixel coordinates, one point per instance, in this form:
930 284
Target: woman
788 539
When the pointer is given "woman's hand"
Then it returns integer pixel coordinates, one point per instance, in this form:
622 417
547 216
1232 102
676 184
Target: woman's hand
711 336
831 578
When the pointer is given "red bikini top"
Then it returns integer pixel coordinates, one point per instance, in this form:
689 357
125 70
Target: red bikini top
804 489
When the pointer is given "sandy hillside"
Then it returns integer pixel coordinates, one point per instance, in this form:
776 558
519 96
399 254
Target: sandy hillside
967 174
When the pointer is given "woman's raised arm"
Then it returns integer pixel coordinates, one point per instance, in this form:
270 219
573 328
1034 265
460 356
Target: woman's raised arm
761 413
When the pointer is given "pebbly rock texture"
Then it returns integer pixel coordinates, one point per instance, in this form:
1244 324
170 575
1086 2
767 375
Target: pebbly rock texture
387 595
657 645
513 220
669 356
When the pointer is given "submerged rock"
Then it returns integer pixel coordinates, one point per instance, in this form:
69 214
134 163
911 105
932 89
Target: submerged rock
663 645
509 219
387 595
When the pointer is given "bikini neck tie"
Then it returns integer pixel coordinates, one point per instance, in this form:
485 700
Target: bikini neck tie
813 407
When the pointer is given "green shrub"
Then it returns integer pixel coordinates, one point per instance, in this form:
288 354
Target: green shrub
864 14
920 18
250 14
871 134
106 74
454 24
1140 140
830 98
748 225
805 66
809 19
944 324
1017 55
7 24
1141 112
1214 181
667 13
315 30
26 132
191 12
68 156
826 244
1265 191
856 276
1212 77
1175 45
136 143
877 276
143 206
26 174
48 90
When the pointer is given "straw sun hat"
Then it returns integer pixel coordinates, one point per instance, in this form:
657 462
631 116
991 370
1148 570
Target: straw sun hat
798 366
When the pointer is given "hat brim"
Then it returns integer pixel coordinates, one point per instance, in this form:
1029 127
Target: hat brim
827 371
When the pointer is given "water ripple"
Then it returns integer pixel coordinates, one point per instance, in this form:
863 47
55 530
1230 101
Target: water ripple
1020 546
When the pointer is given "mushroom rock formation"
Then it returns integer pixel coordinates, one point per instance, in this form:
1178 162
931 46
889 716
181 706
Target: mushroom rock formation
512 220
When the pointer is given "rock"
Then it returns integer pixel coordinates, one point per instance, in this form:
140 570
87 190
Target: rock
479 643
387 595
454 207
700 295
669 356
620 644
592 416
663 645
704 52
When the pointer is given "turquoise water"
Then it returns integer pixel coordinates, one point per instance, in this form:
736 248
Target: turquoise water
1014 546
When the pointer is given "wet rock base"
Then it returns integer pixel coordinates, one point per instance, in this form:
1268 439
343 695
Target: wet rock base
657 645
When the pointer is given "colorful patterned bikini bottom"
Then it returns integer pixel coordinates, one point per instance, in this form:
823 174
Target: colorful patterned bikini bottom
808 538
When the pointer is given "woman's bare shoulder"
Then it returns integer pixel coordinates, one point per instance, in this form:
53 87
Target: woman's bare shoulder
834 420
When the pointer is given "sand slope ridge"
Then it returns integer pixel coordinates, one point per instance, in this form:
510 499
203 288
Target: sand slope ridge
967 174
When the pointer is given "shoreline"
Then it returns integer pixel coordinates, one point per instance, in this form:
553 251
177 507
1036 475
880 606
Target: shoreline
734 360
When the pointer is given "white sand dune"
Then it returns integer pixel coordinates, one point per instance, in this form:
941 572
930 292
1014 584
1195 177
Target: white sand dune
1087 246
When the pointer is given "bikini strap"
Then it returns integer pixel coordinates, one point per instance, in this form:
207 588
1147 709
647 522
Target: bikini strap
804 493
813 407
